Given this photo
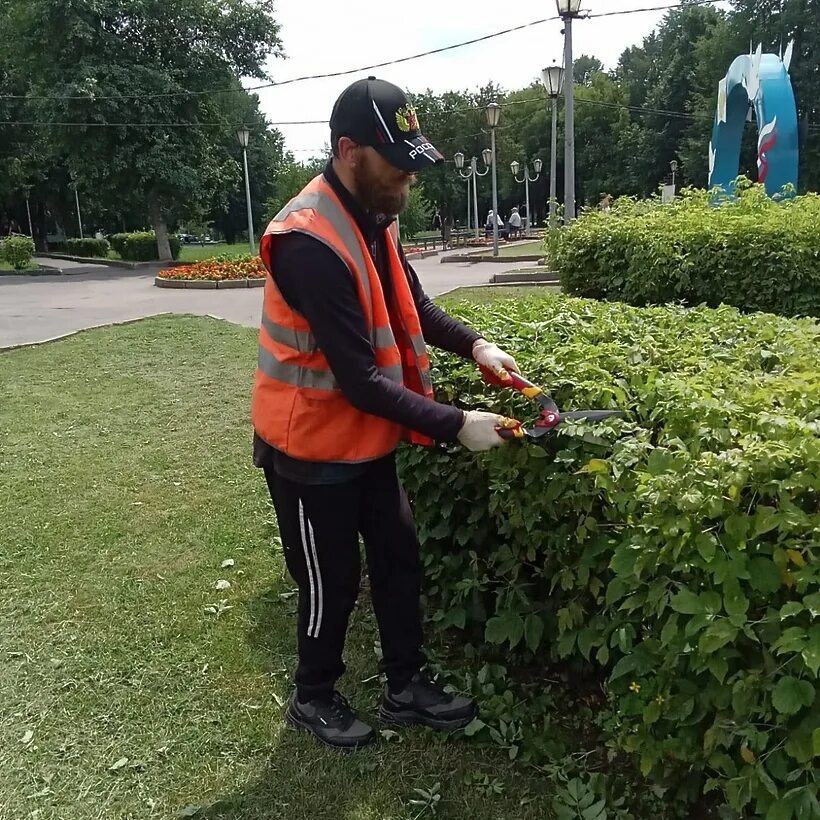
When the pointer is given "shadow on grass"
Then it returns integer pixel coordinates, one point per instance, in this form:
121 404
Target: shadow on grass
303 780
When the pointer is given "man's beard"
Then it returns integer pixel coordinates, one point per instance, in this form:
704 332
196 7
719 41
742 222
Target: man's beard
375 196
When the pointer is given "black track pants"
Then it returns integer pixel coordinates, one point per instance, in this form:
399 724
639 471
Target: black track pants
319 526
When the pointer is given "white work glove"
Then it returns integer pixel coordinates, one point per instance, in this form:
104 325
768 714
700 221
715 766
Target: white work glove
493 357
479 430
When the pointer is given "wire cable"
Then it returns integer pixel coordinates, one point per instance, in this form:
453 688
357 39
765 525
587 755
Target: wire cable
349 71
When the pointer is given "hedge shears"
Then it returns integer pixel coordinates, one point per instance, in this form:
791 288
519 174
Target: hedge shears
550 416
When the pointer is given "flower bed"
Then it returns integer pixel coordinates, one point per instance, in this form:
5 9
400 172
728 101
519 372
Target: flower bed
219 272
219 268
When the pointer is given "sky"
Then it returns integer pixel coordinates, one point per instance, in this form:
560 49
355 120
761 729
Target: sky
356 33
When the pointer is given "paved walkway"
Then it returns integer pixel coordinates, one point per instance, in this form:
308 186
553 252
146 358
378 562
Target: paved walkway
69 267
38 308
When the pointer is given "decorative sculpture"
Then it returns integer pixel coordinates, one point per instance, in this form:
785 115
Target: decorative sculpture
756 82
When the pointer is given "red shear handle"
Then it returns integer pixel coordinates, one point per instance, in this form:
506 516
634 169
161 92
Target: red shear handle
517 382
506 378
510 429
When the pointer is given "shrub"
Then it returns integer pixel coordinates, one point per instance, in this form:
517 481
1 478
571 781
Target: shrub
753 253
674 554
18 251
88 247
141 247
219 268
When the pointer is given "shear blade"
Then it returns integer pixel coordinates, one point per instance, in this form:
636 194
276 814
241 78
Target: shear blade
591 415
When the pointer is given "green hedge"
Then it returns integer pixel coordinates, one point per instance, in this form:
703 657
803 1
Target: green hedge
753 253
141 247
88 247
17 250
674 554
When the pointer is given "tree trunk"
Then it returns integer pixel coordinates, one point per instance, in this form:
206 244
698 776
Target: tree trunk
160 226
40 227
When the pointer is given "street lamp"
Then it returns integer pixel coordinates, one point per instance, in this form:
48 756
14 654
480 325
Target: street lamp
77 201
674 166
472 174
244 137
28 211
515 166
569 9
554 83
493 113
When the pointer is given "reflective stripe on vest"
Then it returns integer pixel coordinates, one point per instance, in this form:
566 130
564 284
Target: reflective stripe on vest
304 341
308 376
316 201
298 406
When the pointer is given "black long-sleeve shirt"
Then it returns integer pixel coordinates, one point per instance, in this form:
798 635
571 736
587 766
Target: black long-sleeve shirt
317 284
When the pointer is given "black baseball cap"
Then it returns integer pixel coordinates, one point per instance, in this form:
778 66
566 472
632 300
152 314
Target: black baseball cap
377 113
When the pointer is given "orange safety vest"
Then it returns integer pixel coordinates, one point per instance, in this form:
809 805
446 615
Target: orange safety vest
297 406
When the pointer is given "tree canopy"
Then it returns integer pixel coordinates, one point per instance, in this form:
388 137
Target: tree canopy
138 108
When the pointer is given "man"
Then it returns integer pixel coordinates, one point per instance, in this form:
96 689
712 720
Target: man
515 223
343 376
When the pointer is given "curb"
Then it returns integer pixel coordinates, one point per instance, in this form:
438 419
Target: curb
208 284
41 271
513 277
71 333
505 260
421 254
112 263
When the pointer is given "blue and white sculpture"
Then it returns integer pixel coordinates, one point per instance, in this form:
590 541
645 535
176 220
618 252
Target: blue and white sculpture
761 82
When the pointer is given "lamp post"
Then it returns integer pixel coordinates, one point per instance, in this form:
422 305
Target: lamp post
28 211
493 113
515 166
674 166
472 174
77 202
554 83
569 10
244 137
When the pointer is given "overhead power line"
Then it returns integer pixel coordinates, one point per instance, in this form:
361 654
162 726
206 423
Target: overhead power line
578 100
349 71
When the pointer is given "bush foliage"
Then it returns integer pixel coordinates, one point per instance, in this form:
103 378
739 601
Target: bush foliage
752 252
17 250
88 247
141 247
673 554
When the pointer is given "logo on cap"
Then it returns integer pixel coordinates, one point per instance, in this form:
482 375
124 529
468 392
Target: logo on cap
407 119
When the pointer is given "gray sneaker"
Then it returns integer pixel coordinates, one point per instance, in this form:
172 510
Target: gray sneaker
332 722
424 703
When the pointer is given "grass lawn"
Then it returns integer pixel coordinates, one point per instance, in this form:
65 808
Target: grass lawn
125 481
196 253
5 267
525 249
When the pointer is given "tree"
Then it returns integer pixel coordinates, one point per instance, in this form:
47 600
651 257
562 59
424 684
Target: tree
775 25
228 207
418 214
664 75
609 145
288 180
123 66
453 121
584 68
713 54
